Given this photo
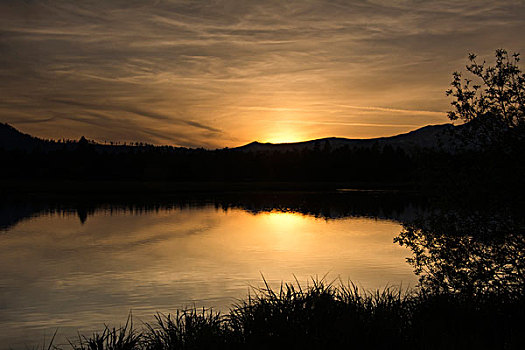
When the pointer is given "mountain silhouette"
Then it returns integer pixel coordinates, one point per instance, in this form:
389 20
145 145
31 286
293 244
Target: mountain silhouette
11 138
429 137
427 157
435 137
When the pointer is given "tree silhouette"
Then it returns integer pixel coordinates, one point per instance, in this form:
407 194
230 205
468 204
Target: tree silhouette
467 252
493 103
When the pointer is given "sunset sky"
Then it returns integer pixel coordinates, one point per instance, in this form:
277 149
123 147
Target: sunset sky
224 73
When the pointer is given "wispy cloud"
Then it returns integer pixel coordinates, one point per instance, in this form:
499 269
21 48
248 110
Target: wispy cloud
138 112
212 72
320 122
395 110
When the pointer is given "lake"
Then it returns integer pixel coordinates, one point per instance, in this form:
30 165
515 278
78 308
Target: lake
75 265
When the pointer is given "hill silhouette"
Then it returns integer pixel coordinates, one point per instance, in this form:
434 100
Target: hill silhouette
11 138
429 137
433 157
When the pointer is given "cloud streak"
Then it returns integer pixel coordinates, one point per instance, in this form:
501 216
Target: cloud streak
139 112
211 72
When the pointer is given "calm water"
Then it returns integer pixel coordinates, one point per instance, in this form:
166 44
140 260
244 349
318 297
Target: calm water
74 269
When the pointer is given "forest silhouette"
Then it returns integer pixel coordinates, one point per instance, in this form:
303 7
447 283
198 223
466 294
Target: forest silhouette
487 151
499 166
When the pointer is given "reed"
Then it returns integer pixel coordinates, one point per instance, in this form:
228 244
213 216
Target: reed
331 315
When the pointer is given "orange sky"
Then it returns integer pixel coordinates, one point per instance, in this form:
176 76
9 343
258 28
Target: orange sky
224 73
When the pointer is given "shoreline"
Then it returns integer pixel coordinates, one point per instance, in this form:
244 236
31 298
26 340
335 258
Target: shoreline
162 188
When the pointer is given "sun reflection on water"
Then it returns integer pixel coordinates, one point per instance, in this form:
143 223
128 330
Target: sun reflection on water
158 261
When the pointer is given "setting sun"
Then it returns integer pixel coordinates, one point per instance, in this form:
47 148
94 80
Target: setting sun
284 134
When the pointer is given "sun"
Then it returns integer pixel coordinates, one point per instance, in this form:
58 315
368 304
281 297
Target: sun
284 135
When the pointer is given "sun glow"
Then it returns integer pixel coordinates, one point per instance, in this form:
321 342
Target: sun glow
287 231
284 134
285 221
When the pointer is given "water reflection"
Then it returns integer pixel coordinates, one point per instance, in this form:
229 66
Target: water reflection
381 205
76 265
469 252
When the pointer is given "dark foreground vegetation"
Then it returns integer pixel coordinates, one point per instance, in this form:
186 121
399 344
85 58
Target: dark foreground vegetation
332 316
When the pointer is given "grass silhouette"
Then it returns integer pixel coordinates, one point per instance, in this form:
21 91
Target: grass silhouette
329 315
